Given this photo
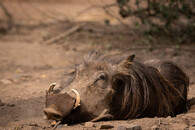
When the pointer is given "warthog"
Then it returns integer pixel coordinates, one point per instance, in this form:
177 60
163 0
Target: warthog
113 87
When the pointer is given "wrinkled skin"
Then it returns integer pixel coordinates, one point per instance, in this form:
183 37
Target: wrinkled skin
101 90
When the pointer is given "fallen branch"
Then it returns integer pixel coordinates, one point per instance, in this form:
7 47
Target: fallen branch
56 125
63 35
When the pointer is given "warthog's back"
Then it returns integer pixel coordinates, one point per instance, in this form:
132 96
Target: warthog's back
173 74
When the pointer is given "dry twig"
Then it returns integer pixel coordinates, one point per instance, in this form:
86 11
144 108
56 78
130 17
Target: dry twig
56 125
63 35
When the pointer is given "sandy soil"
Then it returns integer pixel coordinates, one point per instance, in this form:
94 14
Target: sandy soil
28 65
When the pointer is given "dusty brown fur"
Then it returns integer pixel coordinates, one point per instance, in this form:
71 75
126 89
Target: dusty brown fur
148 89
130 89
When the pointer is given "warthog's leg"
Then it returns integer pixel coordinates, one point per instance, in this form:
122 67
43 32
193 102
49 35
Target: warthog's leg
103 115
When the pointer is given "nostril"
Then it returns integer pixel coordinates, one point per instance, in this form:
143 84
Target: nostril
45 113
57 116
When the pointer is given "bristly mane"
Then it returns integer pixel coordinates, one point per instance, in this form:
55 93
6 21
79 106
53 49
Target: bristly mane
98 56
144 88
140 89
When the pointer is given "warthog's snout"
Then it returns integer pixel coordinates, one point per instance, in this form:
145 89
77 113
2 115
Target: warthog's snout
59 106
51 113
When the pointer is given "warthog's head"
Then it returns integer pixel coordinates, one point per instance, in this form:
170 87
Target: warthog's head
91 93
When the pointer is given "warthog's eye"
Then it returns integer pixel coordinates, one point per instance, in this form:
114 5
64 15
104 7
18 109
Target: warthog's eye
102 76
100 82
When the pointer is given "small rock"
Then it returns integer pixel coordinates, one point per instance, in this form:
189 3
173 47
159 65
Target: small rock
89 124
15 79
5 81
121 128
10 104
1 103
155 127
106 127
129 127
53 123
43 76
59 127
65 125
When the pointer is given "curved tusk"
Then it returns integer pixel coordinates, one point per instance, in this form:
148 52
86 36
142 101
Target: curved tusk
51 87
78 99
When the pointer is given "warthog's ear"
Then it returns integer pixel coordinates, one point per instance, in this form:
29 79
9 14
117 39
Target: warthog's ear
127 61
122 69
130 58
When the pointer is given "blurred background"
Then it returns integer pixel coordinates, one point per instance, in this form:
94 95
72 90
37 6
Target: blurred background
41 40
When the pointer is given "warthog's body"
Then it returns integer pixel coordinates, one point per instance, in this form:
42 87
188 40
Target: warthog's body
113 87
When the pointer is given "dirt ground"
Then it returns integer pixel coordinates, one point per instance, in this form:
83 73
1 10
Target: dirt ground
28 65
